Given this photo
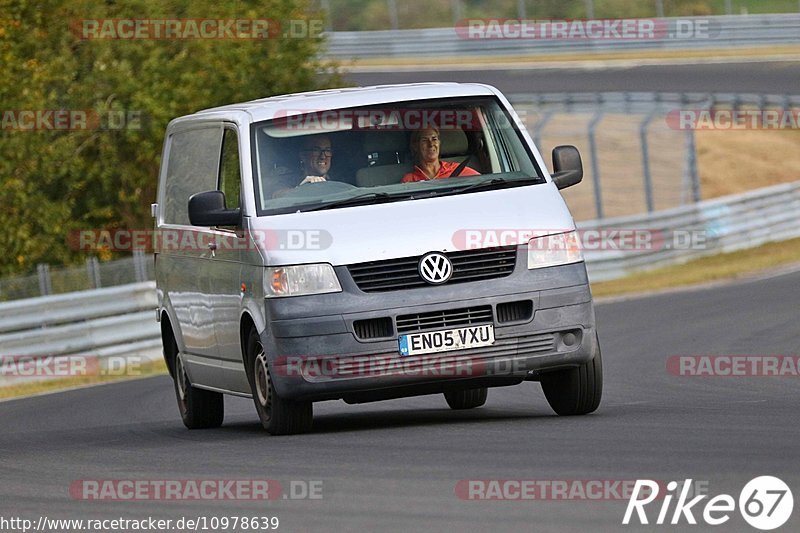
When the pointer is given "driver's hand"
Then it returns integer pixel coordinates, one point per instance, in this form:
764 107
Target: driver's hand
313 179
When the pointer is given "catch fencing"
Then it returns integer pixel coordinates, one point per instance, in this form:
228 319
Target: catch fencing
638 155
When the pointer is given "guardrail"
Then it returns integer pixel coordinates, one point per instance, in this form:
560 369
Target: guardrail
681 234
679 33
95 324
120 321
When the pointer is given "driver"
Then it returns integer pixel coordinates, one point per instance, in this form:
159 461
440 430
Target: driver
315 158
316 154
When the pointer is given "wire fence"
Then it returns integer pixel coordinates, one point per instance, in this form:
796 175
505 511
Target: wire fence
639 149
93 274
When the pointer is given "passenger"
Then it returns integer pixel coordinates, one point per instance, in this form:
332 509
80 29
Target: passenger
427 165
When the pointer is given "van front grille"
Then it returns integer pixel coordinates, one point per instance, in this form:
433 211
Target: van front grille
514 311
373 328
468 265
450 318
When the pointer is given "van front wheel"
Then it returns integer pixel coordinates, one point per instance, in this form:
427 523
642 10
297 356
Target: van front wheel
575 391
278 415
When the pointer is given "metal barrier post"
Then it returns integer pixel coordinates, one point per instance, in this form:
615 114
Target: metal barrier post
138 266
691 159
326 7
648 179
537 134
93 272
455 5
598 197
45 284
393 20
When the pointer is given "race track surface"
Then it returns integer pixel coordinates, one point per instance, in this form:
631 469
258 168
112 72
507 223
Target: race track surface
779 77
395 465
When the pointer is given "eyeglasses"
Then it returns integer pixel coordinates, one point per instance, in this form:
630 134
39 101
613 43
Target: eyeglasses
318 151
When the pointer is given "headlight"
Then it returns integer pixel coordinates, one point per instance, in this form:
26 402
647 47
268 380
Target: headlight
553 250
300 280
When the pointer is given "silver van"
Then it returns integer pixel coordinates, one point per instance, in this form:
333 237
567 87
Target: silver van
365 244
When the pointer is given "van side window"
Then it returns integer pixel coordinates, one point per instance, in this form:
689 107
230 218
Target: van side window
192 167
229 178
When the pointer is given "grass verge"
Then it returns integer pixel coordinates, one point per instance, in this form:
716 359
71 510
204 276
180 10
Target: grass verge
704 270
789 51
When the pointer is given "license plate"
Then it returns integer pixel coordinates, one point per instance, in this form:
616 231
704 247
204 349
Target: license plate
446 340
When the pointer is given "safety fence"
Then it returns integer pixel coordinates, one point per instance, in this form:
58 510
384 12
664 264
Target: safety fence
487 37
85 327
678 235
93 274
640 149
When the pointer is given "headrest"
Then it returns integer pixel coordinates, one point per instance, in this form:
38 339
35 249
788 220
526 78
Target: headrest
453 142
385 141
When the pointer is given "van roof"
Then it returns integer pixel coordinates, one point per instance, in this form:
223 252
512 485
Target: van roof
298 103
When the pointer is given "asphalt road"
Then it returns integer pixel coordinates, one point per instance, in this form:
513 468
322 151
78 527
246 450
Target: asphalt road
779 77
395 465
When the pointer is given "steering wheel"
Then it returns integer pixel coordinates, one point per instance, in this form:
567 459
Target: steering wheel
320 188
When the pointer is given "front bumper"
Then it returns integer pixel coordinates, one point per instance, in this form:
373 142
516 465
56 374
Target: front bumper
315 353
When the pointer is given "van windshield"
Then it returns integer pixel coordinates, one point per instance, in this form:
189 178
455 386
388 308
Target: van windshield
404 151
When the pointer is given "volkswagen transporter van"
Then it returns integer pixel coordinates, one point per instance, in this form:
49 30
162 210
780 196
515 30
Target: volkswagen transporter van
366 244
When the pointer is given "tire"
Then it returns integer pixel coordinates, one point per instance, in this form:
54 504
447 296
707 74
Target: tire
466 399
575 391
200 409
278 415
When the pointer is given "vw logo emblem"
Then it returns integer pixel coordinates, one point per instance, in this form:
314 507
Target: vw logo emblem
435 268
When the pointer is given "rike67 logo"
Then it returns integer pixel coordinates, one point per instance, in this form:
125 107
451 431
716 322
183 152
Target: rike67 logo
765 503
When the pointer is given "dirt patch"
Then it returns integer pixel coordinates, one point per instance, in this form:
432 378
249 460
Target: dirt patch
737 161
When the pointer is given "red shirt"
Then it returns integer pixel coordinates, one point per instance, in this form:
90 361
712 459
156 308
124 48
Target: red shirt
445 169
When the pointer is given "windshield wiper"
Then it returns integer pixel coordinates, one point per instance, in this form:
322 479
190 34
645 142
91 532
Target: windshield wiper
498 183
360 199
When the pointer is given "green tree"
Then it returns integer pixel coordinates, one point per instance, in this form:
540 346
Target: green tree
54 182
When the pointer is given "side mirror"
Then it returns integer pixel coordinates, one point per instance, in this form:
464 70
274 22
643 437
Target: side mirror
567 166
208 209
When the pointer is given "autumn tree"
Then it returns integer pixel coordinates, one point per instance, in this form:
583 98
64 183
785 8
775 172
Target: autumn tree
103 176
